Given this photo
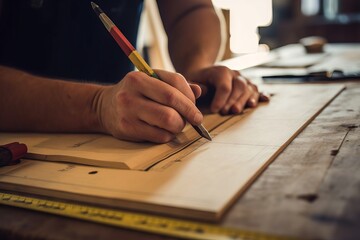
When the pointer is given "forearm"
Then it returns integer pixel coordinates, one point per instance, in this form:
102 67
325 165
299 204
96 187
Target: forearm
32 103
195 40
194 35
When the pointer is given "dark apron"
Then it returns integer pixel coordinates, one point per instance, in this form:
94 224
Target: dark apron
65 39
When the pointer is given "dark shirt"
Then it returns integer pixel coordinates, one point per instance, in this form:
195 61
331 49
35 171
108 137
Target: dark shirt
65 38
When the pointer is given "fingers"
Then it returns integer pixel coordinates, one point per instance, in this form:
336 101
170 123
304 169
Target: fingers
223 86
264 97
139 131
238 91
254 95
161 116
142 120
142 108
196 90
233 92
154 134
177 81
164 93
250 97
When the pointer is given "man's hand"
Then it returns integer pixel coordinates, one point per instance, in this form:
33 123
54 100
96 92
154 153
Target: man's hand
233 92
142 108
194 40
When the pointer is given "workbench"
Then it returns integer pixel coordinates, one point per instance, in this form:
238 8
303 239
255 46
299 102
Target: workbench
311 190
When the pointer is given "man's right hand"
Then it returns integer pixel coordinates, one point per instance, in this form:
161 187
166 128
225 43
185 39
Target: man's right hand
142 108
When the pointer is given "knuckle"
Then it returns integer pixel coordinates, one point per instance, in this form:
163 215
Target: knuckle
224 88
178 77
222 69
170 98
132 75
167 118
173 120
133 79
124 98
180 83
242 81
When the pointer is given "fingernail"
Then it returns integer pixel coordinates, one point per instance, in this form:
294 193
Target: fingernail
264 97
235 110
225 110
252 102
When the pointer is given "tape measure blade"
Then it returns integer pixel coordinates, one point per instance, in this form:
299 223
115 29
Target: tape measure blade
135 221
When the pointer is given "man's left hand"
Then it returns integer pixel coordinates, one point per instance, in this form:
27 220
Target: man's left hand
233 92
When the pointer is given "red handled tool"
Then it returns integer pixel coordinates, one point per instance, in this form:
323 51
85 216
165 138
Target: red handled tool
11 153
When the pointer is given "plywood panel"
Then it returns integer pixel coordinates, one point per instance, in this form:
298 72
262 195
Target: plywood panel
202 180
103 150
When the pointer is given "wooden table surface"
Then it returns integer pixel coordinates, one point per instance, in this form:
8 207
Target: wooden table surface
311 191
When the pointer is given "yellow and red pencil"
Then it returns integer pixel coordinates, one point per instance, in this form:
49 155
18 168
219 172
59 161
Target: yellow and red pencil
134 56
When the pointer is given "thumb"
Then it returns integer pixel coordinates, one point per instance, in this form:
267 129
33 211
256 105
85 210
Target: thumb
196 90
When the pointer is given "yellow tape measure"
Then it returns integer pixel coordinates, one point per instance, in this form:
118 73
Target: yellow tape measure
135 221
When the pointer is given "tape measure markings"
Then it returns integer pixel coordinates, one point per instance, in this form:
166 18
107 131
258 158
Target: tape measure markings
135 221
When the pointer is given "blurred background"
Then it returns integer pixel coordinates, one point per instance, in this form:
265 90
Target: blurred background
261 25
335 20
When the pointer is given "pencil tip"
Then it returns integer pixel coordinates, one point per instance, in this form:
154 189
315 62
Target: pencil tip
94 5
207 136
203 132
96 8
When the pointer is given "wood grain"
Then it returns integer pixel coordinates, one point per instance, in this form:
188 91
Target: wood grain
183 185
315 207
101 150
312 190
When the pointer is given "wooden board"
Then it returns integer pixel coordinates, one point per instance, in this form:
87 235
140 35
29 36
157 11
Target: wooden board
311 190
103 150
202 180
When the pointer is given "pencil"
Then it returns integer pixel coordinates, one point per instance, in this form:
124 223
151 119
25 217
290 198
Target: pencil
134 56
